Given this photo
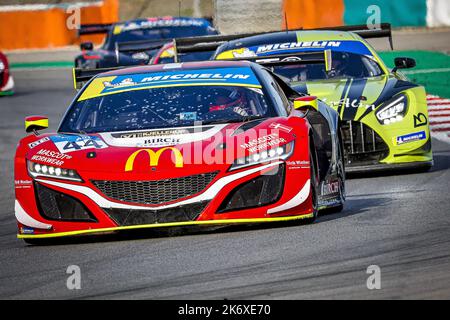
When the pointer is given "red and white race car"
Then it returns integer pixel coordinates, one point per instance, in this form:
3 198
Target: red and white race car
198 143
6 80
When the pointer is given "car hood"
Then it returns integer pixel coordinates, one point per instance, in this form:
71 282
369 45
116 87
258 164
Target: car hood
353 98
163 153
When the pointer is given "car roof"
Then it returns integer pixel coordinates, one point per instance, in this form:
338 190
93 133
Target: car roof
197 65
289 36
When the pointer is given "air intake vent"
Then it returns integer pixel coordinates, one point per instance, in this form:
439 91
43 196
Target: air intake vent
362 145
155 191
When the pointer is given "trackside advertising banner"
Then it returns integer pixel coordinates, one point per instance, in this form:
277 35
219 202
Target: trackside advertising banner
214 77
400 13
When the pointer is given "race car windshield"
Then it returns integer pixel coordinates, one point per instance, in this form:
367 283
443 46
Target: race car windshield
344 65
166 107
157 33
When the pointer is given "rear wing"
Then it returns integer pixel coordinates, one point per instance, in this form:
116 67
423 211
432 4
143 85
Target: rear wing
81 76
181 45
211 43
96 28
383 30
205 43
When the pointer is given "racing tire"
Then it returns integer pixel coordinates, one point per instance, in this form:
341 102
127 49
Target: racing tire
314 182
341 174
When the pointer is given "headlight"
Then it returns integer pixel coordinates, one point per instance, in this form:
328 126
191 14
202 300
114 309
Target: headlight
2 66
43 170
278 153
393 110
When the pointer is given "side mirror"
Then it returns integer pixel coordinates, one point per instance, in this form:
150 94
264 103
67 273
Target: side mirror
87 46
403 63
34 123
306 103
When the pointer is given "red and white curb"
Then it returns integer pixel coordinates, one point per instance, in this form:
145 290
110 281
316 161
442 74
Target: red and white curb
439 114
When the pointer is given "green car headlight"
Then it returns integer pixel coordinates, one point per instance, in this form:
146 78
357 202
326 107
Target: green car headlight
43 170
278 153
393 110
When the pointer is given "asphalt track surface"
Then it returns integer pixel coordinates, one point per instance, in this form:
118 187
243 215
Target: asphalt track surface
400 223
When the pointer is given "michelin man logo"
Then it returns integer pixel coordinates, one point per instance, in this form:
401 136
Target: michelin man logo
123 83
244 53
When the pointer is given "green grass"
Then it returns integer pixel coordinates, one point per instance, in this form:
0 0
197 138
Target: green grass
433 67
43 64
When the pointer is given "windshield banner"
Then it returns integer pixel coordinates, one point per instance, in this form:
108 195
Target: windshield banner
294 47
203 77
155 23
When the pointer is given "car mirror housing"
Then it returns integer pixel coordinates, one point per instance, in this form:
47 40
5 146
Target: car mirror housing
35 123
403 63
306 103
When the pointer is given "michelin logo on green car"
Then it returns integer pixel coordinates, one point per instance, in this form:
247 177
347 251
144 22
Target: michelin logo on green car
411 137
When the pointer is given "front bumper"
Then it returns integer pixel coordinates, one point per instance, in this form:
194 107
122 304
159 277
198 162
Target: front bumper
365 149
217 222
112 215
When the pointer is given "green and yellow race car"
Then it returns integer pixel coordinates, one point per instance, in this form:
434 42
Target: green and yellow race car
384 117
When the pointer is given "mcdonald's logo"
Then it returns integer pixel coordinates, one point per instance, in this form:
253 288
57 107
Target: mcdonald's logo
154 157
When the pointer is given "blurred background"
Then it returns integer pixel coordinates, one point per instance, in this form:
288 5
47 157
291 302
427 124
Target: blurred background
44 33
44 23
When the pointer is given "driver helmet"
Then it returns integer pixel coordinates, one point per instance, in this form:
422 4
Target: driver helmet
233 99
340 63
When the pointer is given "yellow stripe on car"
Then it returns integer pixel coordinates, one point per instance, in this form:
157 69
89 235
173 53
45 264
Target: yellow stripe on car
162 225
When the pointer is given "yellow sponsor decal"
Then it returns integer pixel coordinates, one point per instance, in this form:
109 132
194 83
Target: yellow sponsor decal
95 88
154 157
169 53
236 53
117 29
225 55
42 123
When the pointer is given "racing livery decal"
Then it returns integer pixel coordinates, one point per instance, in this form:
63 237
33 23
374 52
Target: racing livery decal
50 157
38 142
218 77
410 138
295 47
70 143
154 157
